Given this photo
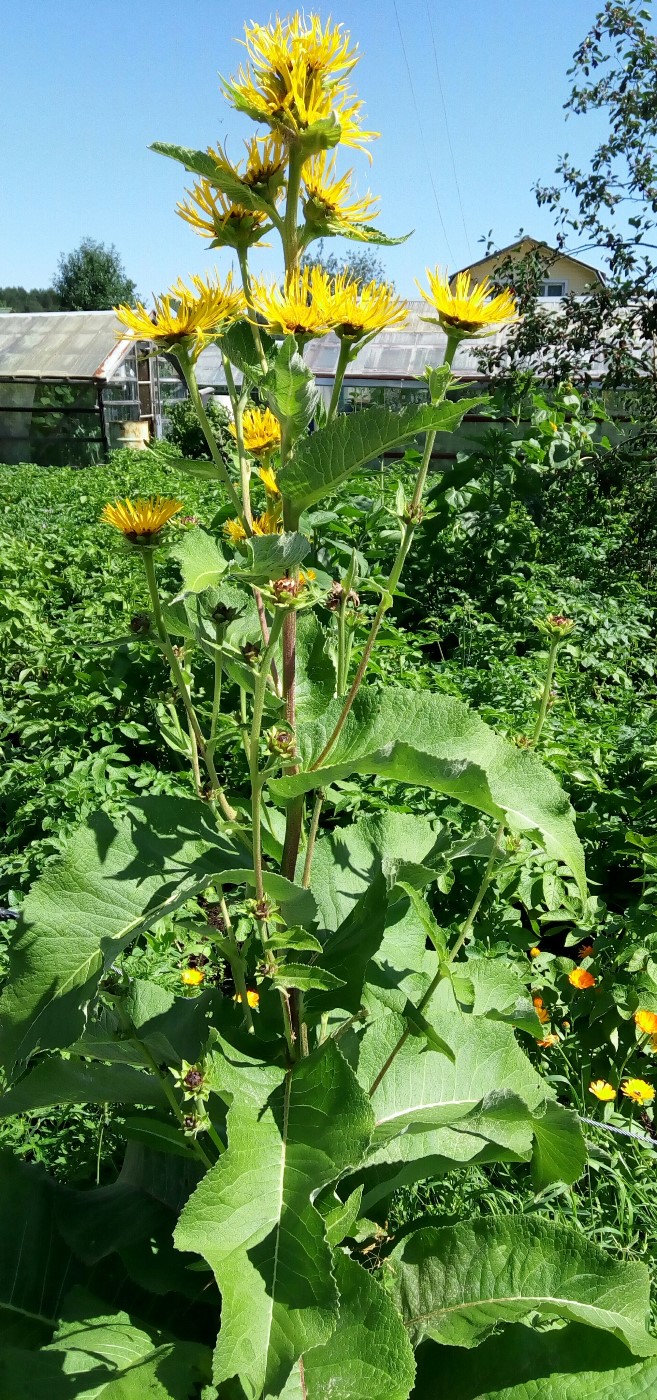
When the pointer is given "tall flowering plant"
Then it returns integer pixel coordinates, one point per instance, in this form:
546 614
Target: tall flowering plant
356 1044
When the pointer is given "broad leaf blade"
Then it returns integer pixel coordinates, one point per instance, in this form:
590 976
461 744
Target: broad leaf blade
199 559
322 462
436 741
58 1081
252 1219
559 1147
116 878
457 1283
291 389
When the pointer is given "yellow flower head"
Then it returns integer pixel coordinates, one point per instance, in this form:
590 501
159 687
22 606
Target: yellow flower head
646 1021
262 433
264 171
209 212
534 952
548 1041
540 1010
296 77
140 520
192 976
268 478
298 309
269 523
357 312
579 977
181 315
602 1090
253 997
327 197
470 310
638 1091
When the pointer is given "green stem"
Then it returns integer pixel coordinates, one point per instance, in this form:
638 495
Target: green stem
343 360
237 402
291 247
254 747
167 1086
149 564
476 904
246 284
189 374
216 690
312 837
547 688
343 660
408 531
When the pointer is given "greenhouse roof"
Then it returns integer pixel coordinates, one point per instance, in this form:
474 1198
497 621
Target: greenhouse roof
60 345
395 355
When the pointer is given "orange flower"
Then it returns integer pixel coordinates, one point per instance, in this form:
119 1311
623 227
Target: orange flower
252 997
586 951
638 1091
548 1041
646 1021
542 1014
602 1090
534 952
192 976
580 978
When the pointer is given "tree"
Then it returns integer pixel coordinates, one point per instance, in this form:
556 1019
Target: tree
610 209
92 278
360 262
36 299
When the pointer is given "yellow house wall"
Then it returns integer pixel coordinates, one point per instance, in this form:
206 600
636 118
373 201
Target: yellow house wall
563 269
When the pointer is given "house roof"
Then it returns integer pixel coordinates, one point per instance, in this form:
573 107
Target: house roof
61 345
527 242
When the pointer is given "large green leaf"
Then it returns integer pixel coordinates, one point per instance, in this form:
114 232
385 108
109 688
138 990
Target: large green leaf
324 460
559 1147
456 1283
348 951
199 559
436 741
365 233
315 671
573 1363
36 1266
252 1218
369 1356
349 858
271 556
240 347
116 878
291 389
59 1081
202 163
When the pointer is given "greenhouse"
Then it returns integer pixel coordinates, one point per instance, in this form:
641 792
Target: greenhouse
71 386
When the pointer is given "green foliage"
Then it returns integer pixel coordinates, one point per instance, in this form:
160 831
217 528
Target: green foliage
92 278
183 429
36 299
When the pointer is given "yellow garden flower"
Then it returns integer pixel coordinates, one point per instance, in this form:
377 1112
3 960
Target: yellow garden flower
253 997
192 976
357 312
548 1041
296 77
209 212
638 1091
580 978
268 478
141 519
327 197
269 523
646 1021
262 433
534 952
264 171
602 1090
184 316
471 310
298 310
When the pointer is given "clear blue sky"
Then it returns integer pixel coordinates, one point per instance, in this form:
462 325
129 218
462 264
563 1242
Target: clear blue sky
87 84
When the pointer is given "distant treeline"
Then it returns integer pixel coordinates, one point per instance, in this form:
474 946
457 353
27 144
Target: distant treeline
37 299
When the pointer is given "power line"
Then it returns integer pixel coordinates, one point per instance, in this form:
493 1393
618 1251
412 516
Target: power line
447 132
421 131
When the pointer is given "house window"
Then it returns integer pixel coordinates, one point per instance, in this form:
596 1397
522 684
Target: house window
552 289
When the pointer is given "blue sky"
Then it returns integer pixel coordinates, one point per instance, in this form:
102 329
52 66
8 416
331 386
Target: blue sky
87 85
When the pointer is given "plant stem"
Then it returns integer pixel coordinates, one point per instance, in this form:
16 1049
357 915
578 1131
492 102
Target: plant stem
408 531
237 402
189 374
312 837
290 232
343 360
163 1076
254 747
216 691
464 934
149 565
246 284
547 688
195 766
476 904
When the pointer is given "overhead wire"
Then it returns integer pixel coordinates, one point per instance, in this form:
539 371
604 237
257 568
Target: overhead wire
447 131
421 131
